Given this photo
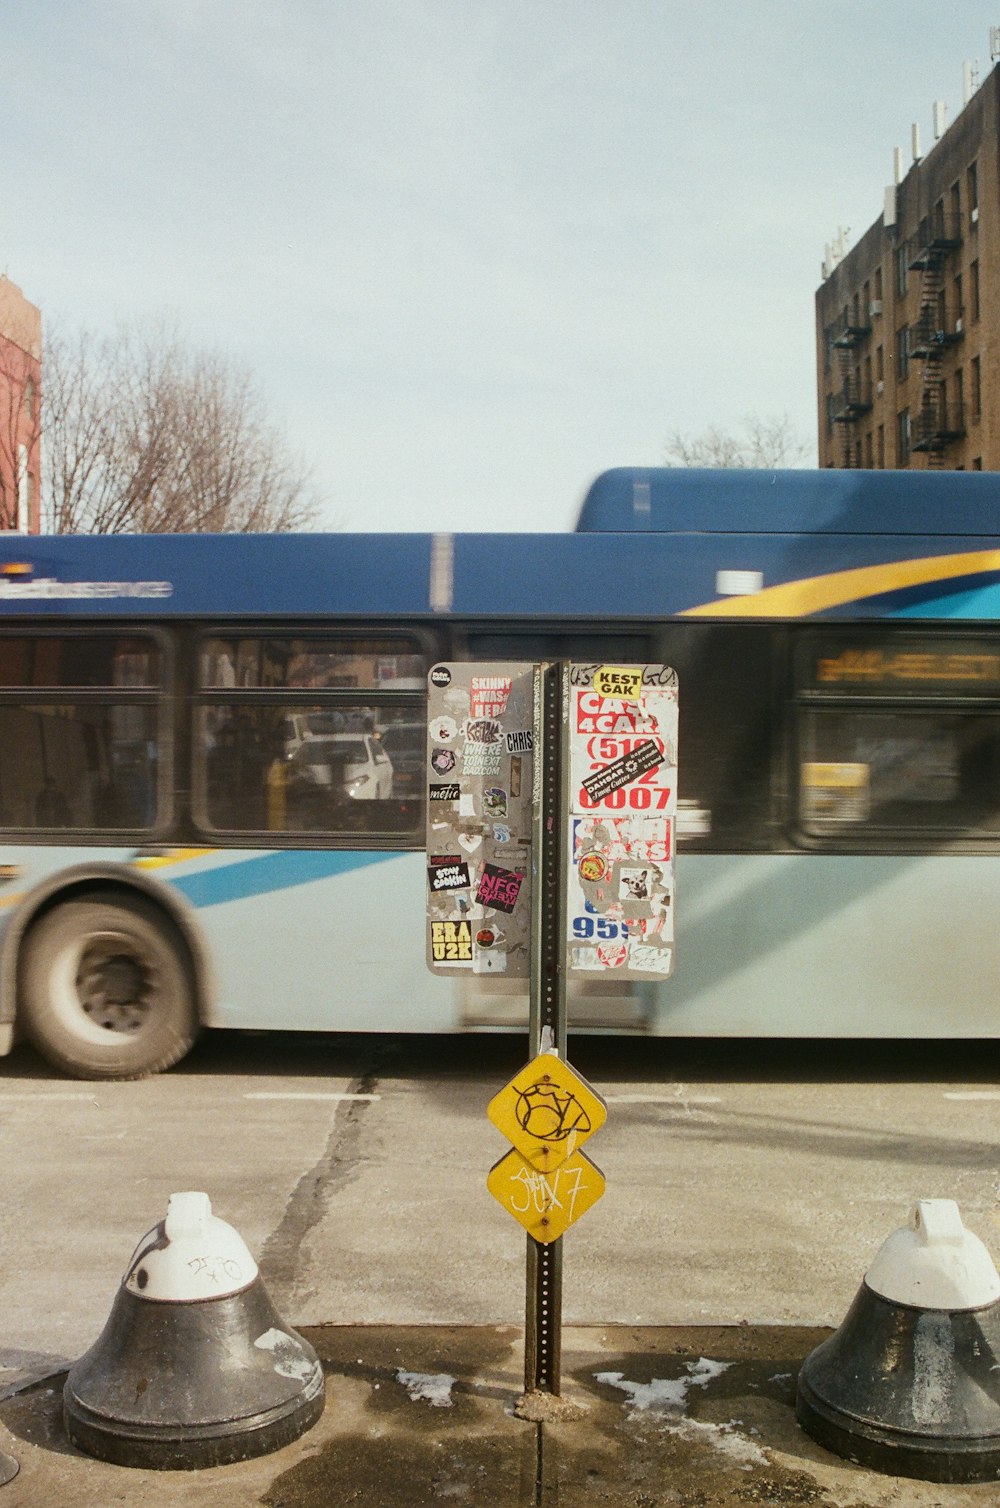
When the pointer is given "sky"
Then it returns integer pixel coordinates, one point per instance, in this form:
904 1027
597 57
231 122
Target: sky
472 252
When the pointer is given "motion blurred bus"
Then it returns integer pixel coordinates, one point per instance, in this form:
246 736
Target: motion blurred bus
212 747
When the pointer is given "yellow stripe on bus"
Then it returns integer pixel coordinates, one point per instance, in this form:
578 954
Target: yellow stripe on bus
816 594
175 856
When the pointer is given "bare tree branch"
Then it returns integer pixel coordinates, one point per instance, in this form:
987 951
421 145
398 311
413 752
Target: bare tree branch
766 444
146 435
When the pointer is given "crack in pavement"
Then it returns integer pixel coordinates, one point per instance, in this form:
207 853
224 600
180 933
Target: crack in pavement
310 1200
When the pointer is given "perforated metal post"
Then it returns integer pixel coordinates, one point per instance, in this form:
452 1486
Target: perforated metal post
547 1019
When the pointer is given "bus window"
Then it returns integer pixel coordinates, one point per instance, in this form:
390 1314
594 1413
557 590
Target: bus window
82 754
272 760
902 771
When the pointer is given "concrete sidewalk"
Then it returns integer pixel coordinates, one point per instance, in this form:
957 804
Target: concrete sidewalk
687 1417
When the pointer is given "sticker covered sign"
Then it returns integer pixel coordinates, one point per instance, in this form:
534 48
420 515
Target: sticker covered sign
480 732
623 806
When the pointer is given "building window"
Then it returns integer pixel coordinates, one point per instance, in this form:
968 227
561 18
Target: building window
879 365
958 388
878 284
869 453
974 288
977 463
959 305
902 353
972 187
903 436
956 204
977 390
902 263
29 398
881 447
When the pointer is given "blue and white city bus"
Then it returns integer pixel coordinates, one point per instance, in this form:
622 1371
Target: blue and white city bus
211 763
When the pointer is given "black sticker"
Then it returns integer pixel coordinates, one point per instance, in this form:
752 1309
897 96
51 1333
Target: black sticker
644 757
446 872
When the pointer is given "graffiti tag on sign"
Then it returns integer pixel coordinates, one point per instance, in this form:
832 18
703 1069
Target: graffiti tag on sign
546 1203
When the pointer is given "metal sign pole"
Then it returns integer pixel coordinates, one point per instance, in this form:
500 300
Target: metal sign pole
547 1017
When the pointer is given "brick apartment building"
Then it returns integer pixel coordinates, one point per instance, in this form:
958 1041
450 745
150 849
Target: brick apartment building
20 394
908 321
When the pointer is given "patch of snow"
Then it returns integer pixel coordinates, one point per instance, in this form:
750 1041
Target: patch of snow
428 1387
665 1395
665 1399
721 1437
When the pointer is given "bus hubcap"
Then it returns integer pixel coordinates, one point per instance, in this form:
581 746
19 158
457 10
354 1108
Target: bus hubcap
114 988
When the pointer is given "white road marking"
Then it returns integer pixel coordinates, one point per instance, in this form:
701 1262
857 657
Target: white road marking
663 1099
312 1096
29 1097
973 1094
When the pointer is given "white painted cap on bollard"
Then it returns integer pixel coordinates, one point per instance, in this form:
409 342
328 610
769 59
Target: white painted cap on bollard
190 1255
934 1262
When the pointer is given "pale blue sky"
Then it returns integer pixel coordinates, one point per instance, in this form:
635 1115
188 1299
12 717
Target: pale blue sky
472 253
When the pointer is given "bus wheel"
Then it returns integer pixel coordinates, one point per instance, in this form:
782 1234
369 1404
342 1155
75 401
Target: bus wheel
106 990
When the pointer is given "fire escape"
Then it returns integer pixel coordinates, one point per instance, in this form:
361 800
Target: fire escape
853 399
938 423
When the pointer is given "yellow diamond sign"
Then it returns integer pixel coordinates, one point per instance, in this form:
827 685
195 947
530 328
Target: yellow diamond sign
547 1111
546 1203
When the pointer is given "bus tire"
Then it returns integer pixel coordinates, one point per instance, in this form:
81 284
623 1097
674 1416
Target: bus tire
106 989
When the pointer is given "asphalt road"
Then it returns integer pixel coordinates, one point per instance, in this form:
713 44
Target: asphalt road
745 1181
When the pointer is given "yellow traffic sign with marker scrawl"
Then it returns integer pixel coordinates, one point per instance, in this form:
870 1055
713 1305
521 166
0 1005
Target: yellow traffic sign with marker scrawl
547 1111
546 1204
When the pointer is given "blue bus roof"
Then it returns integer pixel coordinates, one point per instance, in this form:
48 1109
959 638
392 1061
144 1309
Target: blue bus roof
650 544
657 499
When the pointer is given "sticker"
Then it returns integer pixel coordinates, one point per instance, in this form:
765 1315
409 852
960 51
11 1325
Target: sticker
440 676
643 758
443 761
615 682
470 841
584 958
443 730
488 937
650 959
467 804
446 792
482 730
488 695
489 963
521 742
501 834
494 802
634 884
446 872
593 867
515 777
451 942
499 888
481 759
612 955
